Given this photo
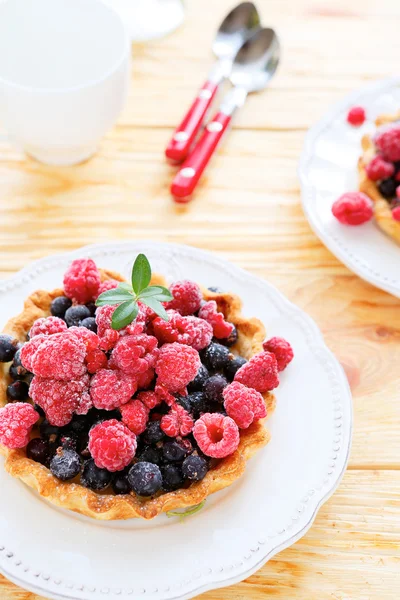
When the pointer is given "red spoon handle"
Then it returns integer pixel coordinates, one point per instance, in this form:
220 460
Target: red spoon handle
184 135
193 167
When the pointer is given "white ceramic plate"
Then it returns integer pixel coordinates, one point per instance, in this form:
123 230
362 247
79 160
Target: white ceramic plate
328 168
61 555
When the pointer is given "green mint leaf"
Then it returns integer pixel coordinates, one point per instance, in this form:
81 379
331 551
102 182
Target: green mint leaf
156 306
124 314
115 296
124 285
157 291
141 273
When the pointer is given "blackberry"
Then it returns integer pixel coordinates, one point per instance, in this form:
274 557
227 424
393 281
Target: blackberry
120 483
92 307
39 451
184 402
197 384
59 306
8 347
216 289
174 451
194 468
231 339
17 370
198 404
17 391
89 323
387 188
233 367
65 464
172 477
151 455
153 433
213 388
94 478
216 356
75 314
145 478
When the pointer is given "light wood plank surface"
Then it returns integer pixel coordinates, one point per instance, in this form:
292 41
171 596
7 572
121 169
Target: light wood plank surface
248 210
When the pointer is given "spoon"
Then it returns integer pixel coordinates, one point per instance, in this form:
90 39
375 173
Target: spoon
234 30
253 68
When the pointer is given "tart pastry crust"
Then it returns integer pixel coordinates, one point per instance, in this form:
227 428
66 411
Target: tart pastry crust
75 497
383 214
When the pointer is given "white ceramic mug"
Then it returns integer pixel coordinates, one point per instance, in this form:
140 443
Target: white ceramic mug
64 75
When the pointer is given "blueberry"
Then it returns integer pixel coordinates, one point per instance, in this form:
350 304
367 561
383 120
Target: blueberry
184 402
197 384
151 455
198 404
17 391
98 416
92 307
387 188
120 483
8 347
233 367
59 306
216 356
172 477
173 451
213 388
153 433
89 323
75 314
145 478
65 464
231 339
94 478
48 431
194 468
39 451
215 289
39 409
68 440
17 371
79 425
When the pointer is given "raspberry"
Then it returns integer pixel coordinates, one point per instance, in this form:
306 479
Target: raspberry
82 280
111 389
282 349
353 208
177 422
166 396
108 284
221 328
388 142
28 351
112 445
58 356
260 373
244 405
149 399
144 380
47 326
59 399
135 354
85 404
185 330
89 338
396 213
177 365
108 336
187 297
96 360
356 116
135 415
216 435
16 422
379 168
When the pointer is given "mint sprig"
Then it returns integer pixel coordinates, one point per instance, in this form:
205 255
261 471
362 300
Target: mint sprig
127 295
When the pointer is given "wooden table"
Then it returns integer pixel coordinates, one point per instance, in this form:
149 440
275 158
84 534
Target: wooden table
248 210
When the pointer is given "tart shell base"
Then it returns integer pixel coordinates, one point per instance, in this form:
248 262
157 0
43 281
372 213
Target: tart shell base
75 497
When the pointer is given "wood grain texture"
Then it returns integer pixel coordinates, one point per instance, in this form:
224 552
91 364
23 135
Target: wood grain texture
248 210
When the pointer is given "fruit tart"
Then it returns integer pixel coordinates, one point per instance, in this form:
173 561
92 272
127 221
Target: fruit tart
379 173
129 399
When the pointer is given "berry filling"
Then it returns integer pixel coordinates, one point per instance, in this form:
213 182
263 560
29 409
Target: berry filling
138 400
